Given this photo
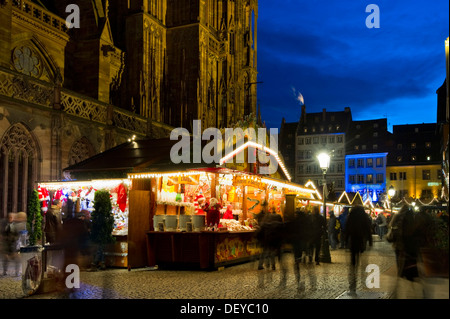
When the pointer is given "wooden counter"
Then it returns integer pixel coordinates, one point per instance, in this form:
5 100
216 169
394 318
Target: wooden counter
200 250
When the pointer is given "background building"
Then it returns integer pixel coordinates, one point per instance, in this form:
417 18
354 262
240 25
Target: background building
317 132
414 162
366 158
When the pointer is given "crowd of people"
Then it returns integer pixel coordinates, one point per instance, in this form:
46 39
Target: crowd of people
353 230
70 233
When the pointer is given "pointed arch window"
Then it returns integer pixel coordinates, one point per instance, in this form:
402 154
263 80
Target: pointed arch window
18 168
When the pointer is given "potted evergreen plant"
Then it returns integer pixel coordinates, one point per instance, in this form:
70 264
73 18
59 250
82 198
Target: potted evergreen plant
34 219
102 226
31 254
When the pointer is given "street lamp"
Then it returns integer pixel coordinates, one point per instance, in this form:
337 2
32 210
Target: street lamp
391 193
324 163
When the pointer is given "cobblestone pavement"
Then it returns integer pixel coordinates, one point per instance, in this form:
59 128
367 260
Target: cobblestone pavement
324 281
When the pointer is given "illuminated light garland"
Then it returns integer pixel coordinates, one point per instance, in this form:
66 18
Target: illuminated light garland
97 184
157 175
310 182
224 159
346 195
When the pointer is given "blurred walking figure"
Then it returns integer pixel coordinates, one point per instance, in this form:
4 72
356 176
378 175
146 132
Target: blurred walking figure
318 229
297 236
13 237
402 236
358 234
382 225
332 231
271 237
53 225
343 221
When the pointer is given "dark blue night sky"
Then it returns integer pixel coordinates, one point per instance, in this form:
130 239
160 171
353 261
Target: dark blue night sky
324 50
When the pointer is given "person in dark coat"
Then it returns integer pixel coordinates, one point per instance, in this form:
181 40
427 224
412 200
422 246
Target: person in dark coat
318 229
405 243
332 232
343 221
297 232
53 225
358 234
270 236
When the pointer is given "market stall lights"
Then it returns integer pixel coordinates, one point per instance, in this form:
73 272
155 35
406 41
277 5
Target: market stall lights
224 159
98 184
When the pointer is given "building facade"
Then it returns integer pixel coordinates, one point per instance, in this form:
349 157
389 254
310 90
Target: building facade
317 132
368 143
414 162
131 68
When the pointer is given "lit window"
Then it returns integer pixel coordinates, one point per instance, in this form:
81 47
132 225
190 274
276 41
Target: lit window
379 162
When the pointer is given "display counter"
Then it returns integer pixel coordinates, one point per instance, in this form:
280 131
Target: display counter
200 250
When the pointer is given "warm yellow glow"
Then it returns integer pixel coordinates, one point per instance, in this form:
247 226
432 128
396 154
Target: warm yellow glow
171 174
228 156
324 160
97 184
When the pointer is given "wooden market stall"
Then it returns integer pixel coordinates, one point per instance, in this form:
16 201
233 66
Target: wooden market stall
163 224
179 236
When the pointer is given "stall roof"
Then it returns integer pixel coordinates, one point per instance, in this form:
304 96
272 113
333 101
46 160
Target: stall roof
139 155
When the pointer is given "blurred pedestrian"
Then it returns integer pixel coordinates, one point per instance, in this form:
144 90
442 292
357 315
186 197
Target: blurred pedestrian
403 237
332 232
13 231
381 225
343 222
297 237
8 241
271 237
358 233
73 239
318 229
53 224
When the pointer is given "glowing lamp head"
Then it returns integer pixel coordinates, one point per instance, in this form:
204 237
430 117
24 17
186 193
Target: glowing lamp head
391 191
324 160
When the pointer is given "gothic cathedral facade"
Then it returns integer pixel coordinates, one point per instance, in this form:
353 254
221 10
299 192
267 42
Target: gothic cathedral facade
133 67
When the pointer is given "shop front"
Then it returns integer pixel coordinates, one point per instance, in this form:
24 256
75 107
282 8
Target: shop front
77 199
165 222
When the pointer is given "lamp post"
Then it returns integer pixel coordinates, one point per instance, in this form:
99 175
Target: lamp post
391 193
324 163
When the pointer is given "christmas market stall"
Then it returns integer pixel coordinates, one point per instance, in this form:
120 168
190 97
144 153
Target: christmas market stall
183 236
167 220
77 199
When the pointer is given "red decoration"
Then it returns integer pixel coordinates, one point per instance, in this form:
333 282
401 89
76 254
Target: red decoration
122 197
